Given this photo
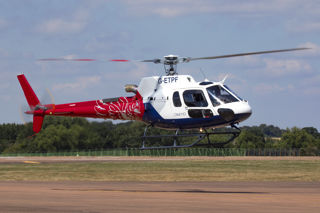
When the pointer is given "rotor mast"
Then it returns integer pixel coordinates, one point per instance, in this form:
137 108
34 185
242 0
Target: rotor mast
170 64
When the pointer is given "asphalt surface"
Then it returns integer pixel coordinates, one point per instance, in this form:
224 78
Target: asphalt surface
159 197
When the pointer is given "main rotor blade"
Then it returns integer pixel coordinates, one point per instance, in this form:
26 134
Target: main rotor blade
66 59
150 60
120 60
81 59
156 60
250 53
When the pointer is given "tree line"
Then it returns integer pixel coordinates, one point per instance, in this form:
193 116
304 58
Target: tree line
73 134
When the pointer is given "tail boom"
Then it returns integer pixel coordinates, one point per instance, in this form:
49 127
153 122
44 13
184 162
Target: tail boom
122 108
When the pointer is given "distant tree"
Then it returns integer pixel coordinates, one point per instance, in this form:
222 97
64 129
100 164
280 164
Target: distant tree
9 134
4 143
65 121
71 134
312 131
267 130
126 135
104 131
300 139
250 138
270 130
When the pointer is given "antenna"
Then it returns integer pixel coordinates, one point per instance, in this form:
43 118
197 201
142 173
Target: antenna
204 76
224 79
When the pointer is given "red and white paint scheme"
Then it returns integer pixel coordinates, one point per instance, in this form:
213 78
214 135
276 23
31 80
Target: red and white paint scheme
169 102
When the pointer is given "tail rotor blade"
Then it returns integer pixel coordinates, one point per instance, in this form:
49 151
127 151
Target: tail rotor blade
25 118
120 60
47 98
52 103
22 115
51 96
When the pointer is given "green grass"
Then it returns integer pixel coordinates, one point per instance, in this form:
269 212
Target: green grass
171 170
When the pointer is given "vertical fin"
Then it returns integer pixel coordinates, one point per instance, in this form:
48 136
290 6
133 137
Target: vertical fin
33 101
31 97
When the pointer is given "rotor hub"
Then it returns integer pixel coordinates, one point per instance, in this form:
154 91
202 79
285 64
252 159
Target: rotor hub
170 64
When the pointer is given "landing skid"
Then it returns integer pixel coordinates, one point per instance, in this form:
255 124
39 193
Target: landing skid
201 135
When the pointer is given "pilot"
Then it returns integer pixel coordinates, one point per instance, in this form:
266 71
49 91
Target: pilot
217 91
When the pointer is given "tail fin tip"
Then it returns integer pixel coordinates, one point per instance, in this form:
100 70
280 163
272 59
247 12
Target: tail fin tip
31 97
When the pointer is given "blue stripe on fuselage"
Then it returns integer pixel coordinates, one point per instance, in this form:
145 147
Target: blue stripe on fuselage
151 116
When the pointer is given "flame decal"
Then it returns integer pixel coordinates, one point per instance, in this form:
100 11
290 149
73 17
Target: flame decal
126 108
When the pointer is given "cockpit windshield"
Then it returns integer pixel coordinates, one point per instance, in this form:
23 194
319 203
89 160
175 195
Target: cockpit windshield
217 92
233 92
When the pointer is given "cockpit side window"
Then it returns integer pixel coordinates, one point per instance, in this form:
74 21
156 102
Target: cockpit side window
222 94
194 98
176 99
213 99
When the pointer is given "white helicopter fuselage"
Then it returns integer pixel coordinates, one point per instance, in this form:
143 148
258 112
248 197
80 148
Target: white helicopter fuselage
179 102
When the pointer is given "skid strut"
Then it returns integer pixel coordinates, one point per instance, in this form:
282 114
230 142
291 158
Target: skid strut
201 135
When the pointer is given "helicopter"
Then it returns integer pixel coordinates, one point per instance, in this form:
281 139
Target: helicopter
171 101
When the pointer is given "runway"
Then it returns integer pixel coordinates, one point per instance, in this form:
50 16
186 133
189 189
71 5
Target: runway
24 196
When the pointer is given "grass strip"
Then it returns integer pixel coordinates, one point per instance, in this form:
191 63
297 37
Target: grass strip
173 170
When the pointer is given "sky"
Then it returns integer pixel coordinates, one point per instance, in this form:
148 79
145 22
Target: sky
283 89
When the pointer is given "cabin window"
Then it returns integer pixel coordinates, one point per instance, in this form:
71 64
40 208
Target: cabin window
176 99
218 92
194 98
200 113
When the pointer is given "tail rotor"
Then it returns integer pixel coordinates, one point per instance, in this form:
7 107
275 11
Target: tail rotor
26 111
24 115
